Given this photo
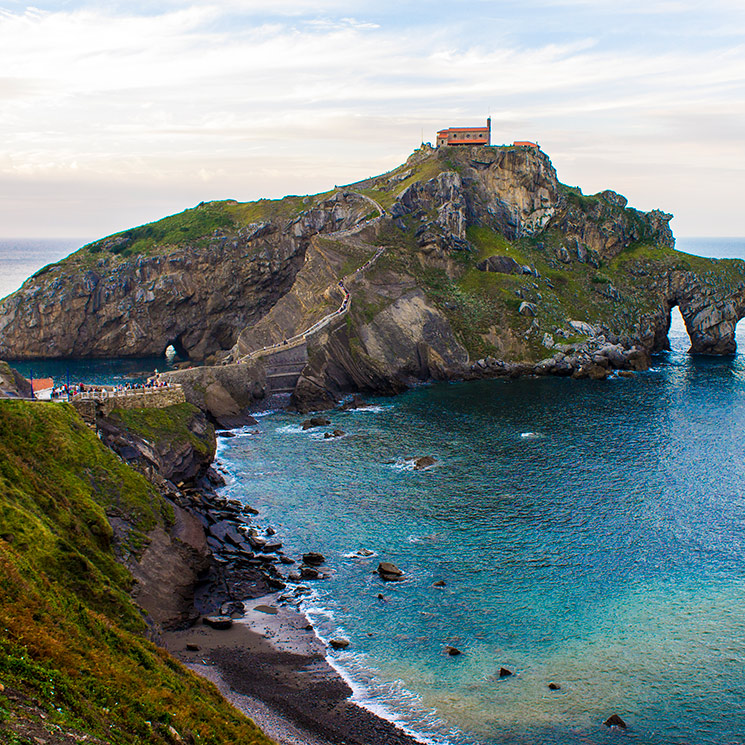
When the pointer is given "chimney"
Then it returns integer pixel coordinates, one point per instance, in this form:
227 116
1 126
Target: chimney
488 125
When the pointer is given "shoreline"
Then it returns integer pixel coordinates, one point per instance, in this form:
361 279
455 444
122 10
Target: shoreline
272 666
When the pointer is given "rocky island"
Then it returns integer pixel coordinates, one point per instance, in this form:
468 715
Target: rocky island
461 263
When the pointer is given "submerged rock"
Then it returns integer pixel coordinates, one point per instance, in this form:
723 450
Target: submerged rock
424 462
452 651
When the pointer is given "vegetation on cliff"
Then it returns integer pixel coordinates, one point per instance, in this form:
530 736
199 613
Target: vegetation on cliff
226 279
73 653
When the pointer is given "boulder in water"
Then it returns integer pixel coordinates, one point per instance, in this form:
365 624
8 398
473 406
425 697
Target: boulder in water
339 643
424 462
316 421
504 672
554 687
615 721
452 651
313 558
389 572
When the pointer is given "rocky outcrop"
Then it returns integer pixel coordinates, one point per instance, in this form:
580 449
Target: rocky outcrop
177 442
227 393
500 264
710 311
602 226
409 341
169 569
120 297
13 384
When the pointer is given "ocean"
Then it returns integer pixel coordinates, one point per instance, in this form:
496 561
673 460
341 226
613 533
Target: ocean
590 534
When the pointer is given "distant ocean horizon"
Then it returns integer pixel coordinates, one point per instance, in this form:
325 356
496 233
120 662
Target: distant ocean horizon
21 257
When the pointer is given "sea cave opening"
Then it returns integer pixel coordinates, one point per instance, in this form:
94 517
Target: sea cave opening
175 351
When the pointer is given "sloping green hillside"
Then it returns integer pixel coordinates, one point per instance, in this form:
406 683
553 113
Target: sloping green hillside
72 644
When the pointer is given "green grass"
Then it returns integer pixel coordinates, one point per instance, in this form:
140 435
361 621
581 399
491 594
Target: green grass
168 426
70 637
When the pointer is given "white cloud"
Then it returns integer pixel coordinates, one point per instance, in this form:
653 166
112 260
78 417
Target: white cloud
193 100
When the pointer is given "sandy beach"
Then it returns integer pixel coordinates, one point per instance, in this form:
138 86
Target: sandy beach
271 666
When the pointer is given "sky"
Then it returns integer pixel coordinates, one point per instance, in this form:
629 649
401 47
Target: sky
113 114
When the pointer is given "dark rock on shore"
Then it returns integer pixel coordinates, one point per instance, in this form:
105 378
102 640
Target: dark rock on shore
310 573
218 622
353 403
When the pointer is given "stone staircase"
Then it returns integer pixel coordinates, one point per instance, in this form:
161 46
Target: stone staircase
283 367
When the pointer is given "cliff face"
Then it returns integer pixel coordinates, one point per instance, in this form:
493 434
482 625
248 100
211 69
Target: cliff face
462 262
193 281
74 647
13 384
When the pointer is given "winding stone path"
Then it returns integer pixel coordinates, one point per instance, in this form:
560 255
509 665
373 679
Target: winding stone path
288 370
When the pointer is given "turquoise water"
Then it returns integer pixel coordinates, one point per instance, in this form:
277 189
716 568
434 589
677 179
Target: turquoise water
591 534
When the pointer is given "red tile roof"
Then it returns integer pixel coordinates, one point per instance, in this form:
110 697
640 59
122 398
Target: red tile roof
464 129
42 384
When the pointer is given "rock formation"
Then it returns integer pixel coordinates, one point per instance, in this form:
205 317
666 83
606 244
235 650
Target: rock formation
462 263
193 281
13 384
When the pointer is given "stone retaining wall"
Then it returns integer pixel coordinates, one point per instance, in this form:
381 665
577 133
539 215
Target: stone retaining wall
98 404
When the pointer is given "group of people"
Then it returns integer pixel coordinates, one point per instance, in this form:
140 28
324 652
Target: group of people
65 391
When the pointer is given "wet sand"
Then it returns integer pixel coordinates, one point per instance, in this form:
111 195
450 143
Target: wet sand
273 668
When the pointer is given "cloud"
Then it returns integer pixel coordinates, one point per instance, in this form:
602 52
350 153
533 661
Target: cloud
313 94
